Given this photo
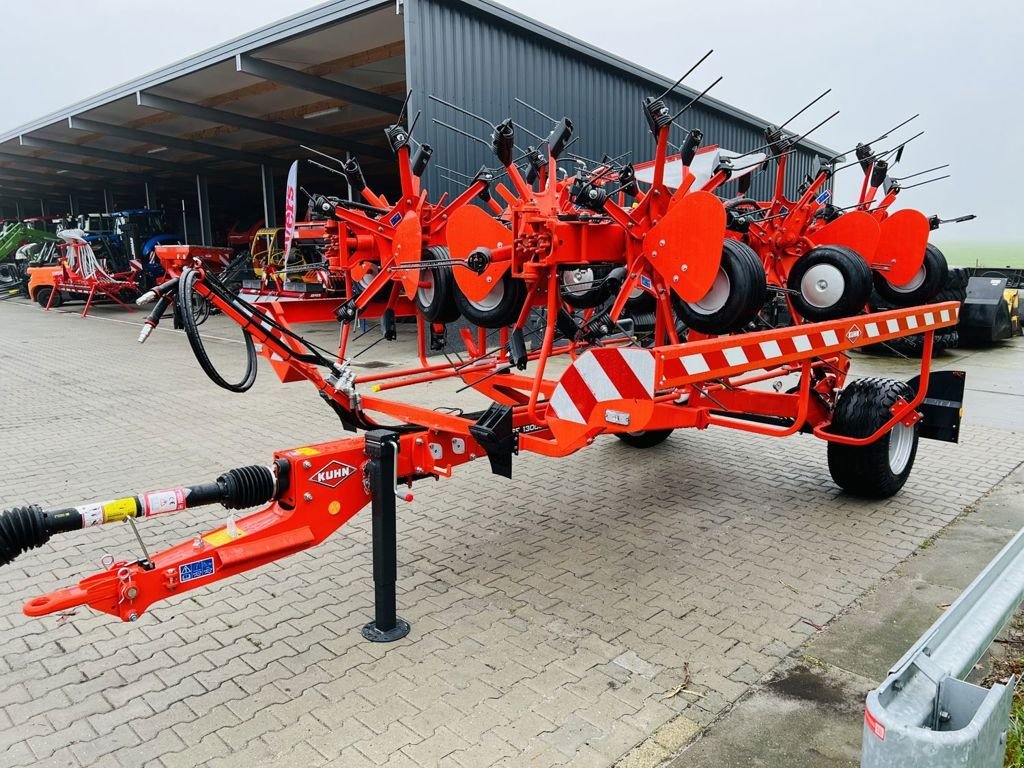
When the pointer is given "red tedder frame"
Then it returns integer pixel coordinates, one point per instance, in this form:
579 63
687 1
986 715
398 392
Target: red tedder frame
608 389
670 243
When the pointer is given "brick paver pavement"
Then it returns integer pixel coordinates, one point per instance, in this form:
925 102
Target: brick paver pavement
553 615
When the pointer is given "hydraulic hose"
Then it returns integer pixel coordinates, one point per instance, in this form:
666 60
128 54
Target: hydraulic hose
185 295
25 528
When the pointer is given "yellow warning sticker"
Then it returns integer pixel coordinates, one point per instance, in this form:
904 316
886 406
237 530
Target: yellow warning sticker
119 509
221 537
307 451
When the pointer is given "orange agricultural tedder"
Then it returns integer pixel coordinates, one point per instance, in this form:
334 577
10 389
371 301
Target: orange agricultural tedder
618 353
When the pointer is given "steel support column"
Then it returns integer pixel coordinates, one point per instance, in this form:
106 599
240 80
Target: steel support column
108 201
269 209
382 448
149 197
203 201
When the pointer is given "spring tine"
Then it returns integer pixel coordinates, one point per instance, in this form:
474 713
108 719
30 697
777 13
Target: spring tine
674 85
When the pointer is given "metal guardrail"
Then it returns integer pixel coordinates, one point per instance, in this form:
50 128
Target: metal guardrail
924 714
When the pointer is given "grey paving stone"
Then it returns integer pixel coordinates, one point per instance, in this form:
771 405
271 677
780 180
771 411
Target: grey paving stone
551 614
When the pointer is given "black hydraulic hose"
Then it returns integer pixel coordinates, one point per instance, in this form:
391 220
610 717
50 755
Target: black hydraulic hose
188 319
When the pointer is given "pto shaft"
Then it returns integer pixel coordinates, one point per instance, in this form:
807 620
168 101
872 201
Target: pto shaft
25 528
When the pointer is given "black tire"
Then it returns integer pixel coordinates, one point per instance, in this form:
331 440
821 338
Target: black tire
954 289
739 292
583 297
644 439
495 313
437 303
878 470
641 302
913 346
931 278
830 281
43 297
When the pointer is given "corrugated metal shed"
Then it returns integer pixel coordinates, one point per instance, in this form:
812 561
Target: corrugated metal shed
332 77
481 56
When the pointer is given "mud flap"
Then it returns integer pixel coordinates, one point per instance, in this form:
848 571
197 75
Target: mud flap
943 405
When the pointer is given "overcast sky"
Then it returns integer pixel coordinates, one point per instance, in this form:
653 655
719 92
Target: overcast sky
957 63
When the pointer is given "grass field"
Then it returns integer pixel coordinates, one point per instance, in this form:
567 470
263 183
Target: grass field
983 254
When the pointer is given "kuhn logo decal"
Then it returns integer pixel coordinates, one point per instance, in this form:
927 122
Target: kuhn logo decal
853 334
333 474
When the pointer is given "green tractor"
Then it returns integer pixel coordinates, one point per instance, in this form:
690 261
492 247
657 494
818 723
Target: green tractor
19 244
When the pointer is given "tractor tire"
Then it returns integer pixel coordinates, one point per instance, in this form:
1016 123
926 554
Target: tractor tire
925 285
878 470
578 289
436 301
500 308
644 439
830 281
43 297
737 295
954 289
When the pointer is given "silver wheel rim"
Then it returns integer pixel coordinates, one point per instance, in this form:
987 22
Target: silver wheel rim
425 292
901 443
371 273
716 298
822 286
492 299
577 281
916 282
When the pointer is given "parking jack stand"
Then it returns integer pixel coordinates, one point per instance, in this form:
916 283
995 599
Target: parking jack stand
382 448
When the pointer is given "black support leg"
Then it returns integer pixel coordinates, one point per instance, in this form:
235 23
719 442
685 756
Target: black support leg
382 448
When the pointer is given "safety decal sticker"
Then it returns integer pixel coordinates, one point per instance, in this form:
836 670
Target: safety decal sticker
195 570
158 502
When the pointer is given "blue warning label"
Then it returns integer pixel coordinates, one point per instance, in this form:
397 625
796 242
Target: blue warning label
196 570
395 218
823 197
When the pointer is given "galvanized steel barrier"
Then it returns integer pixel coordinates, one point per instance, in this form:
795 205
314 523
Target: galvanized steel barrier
924 714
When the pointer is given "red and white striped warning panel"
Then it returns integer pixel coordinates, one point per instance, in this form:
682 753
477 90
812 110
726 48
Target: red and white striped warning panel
629 373
728 355
601 375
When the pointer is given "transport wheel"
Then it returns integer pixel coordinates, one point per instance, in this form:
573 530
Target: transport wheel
878 470
644 438
735 298
640 301
359 286
581 288
43 297
830 281
925 285
498 309
435 298
954 288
